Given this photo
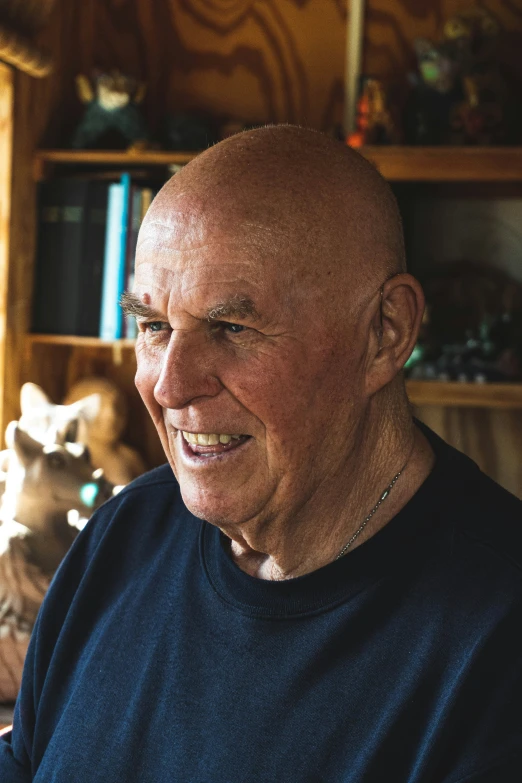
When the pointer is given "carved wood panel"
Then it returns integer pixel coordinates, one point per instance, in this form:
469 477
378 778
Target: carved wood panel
493 438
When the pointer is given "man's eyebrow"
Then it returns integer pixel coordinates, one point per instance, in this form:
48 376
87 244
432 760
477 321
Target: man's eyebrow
132 305
235 307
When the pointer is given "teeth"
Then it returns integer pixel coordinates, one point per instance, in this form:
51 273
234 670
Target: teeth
208 439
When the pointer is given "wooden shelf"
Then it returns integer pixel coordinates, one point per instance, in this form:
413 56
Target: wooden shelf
447 164
111 157
507 396
398 163
45 159
78 342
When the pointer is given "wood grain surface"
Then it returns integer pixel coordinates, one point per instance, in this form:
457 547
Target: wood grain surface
493 438
6 157
247 60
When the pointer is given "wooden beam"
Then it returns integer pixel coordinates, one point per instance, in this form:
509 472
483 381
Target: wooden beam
6 169
504 396
354 43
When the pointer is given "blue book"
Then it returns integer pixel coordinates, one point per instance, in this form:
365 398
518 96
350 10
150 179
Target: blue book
114 259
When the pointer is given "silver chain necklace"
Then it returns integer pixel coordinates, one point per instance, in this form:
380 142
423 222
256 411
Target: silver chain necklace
372 512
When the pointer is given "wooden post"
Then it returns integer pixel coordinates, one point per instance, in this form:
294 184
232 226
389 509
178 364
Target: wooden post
354 46
6 170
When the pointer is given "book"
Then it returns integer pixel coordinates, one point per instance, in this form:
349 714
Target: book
114 259
91 270
135 216
57 293
147 194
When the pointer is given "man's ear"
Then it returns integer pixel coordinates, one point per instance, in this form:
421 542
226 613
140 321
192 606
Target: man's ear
394 330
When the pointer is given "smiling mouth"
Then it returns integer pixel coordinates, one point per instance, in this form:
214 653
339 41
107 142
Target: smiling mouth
206 445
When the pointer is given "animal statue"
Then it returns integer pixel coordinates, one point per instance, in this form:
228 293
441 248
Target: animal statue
473 38
121 463
43 485
472 326
49 423
374 123
94 414
436 90
112 116
459 95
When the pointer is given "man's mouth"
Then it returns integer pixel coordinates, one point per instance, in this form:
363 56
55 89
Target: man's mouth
211 444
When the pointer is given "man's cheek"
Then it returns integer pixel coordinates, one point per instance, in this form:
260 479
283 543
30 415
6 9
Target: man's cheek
145 379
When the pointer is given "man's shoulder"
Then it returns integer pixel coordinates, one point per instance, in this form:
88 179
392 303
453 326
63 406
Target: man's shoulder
483 513
140 506
157 478
491 517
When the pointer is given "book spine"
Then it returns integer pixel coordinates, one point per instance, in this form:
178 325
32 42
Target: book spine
58 291
48 257
129 322
146 200
109 324
73 222
92 260
124 229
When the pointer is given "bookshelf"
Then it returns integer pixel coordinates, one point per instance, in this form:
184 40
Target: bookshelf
397 164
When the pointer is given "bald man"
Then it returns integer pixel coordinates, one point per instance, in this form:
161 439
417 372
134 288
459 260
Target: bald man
316 587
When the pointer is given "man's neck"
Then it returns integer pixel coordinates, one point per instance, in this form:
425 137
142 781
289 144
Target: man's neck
318 533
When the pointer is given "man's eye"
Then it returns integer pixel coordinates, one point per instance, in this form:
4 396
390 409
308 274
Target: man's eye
234 328
224 326
154 326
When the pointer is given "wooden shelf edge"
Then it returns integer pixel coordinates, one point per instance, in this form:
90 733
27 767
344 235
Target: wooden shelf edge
88 157
446 164
507 396
74 341
396 163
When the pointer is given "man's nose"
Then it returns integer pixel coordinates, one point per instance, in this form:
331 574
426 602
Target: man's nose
187 371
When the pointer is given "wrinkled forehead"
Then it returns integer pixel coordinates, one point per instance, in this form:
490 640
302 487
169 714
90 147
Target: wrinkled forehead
196 244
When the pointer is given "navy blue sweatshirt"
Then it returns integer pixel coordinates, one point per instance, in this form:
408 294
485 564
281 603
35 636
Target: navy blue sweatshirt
155 658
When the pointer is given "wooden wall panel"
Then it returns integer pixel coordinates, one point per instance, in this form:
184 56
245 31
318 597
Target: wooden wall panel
6 158
252 60
493 438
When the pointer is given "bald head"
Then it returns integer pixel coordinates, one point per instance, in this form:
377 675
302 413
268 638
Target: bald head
313 200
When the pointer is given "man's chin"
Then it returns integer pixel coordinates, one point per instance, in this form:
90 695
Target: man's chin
210 512
222 512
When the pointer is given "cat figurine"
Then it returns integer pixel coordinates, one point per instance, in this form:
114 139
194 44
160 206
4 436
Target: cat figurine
43 484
